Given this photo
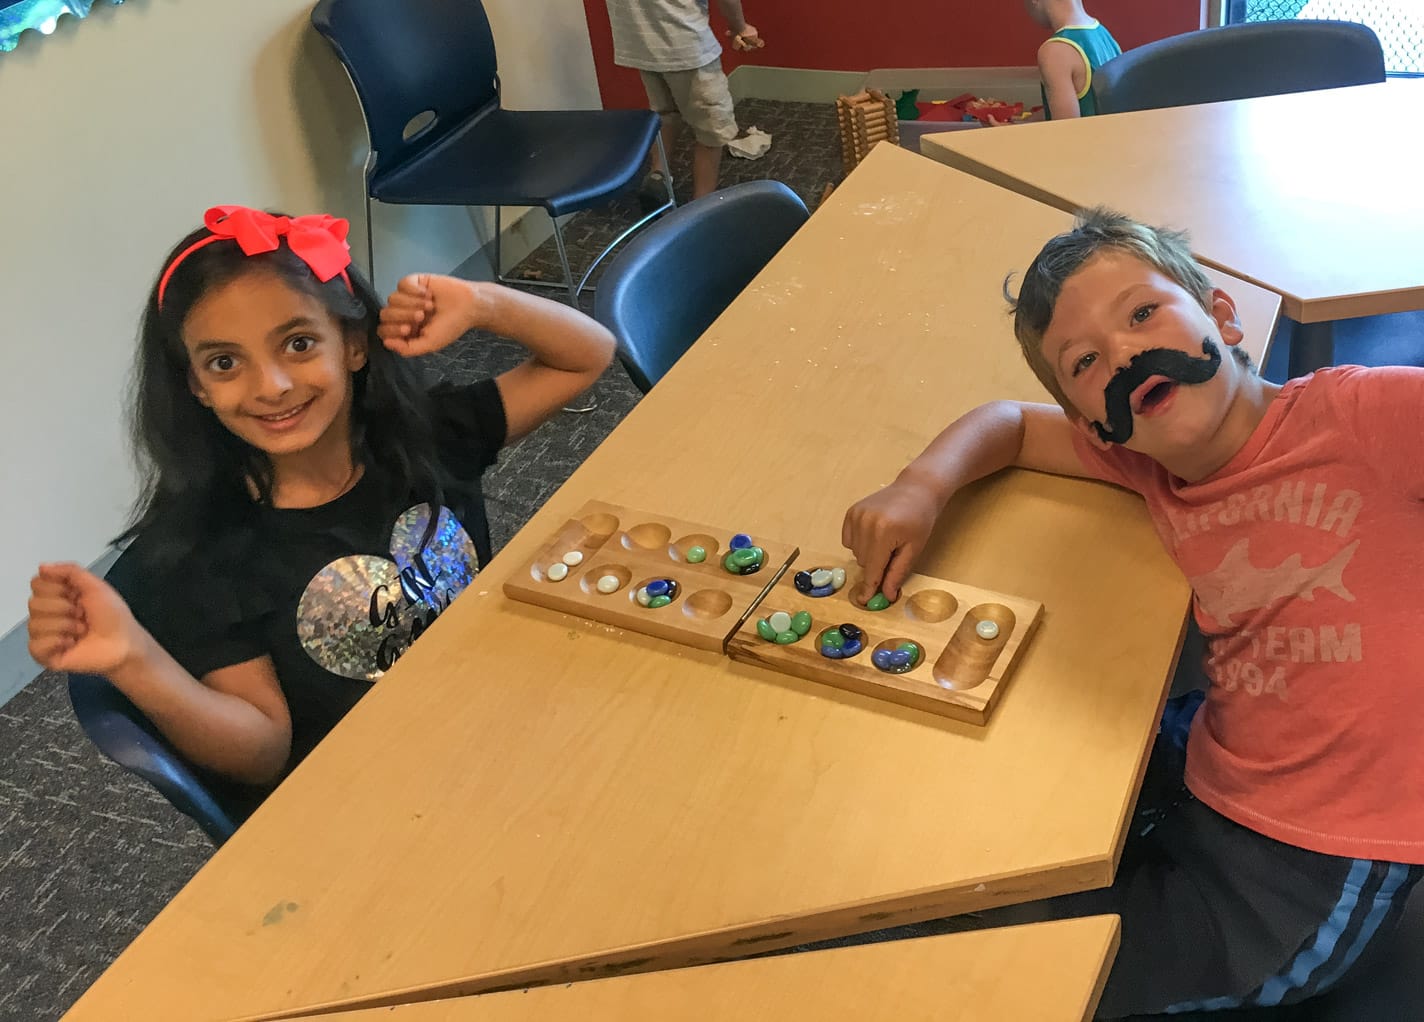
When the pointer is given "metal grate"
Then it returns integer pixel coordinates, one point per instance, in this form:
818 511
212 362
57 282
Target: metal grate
1398 23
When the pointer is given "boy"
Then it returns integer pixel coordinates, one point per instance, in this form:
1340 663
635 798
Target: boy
672 45
1067 59
1257 871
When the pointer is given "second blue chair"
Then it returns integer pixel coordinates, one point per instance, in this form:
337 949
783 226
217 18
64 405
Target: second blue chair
426 74
1266 58
665 289
126 736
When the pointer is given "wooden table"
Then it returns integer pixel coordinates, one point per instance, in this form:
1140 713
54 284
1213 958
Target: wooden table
1049 972
528 796
1314 195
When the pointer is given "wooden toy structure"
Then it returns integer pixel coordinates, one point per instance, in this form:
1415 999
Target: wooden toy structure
866 118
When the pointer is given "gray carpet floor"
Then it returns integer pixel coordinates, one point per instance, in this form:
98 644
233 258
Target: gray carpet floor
89 855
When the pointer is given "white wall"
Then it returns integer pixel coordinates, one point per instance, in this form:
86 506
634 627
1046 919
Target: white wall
116 132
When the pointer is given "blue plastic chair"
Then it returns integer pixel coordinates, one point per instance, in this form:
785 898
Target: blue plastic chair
427 78
1265 58
664 290
126 736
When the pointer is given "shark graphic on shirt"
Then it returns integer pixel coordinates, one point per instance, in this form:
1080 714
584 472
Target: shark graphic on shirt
1237 586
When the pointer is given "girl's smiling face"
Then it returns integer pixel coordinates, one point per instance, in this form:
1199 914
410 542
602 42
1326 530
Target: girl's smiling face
273 365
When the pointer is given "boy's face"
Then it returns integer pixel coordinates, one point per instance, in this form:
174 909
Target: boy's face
1037 13
1115 308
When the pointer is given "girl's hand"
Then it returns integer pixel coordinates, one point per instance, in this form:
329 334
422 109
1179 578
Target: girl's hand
427 312
886 531
79 623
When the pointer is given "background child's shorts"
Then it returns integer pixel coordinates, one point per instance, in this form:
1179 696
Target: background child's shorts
700 96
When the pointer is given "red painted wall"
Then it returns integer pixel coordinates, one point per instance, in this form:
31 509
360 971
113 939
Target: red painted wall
838 35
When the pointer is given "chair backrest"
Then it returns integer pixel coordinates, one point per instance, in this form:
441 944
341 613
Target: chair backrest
662 291
1239 62
410 58
126 736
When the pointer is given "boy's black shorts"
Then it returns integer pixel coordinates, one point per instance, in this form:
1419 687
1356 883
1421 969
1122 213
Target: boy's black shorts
1215 915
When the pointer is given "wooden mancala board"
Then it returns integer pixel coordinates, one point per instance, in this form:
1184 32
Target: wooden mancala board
610 541
968 639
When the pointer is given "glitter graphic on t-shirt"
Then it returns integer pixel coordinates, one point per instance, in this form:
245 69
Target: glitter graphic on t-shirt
361 612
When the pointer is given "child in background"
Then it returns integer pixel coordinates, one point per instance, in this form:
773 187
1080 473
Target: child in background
1067 59
1261 864
308 507
671 43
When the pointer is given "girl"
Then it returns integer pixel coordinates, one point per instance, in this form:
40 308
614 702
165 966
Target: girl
308 508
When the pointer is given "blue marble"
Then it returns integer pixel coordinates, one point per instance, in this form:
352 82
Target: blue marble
740 541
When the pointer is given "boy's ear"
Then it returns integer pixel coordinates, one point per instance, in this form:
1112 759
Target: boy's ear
1223 310
1088 430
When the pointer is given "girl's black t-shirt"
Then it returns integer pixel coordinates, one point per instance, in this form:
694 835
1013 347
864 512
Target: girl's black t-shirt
333 594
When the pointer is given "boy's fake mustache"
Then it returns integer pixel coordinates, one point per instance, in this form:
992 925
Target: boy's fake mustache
1177 366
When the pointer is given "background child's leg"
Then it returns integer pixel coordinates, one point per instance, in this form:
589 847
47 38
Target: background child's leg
705 103
672 127
706 167
662 103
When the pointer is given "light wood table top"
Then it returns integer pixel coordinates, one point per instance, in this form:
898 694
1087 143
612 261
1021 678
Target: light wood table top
1314 195
527 796
1049 972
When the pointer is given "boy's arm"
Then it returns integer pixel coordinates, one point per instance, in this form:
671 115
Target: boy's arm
1057 61
887 530
744 36
568 350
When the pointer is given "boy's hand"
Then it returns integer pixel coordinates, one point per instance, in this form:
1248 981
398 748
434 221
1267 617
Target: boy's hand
79 623
747 39
427 312
886 531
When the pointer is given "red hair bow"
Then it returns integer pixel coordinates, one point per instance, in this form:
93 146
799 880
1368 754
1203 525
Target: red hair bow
318 240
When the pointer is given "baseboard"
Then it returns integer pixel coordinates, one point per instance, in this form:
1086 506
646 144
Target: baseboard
16 668
798 85
793 85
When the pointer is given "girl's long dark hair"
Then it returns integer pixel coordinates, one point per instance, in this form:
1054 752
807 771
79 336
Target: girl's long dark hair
198 478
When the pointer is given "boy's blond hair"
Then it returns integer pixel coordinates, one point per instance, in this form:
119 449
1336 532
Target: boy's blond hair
1096 230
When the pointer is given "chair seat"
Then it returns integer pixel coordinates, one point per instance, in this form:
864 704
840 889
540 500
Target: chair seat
563 160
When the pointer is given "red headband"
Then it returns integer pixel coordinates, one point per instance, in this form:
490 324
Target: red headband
319 241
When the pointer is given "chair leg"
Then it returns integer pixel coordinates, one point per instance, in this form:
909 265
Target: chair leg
1312 347
498 238
564 263
573 298
667 169
370 245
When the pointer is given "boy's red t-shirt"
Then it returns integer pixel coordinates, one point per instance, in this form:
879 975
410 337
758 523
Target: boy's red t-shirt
1306 555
